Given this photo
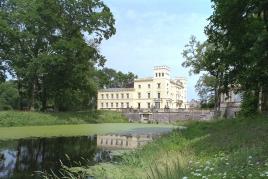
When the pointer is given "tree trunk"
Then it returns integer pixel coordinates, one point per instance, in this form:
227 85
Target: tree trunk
260 100
20 94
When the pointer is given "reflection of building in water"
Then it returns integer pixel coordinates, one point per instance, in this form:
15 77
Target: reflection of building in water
123 141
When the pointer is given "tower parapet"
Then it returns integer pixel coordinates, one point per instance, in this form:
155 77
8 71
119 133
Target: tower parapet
161 72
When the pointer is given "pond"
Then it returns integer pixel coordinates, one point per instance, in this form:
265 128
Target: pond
20 158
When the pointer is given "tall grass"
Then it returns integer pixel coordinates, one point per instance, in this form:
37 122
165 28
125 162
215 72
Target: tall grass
227 149
18 118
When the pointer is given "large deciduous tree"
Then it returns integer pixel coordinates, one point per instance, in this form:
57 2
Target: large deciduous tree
241 28
207 57
235 52
51 47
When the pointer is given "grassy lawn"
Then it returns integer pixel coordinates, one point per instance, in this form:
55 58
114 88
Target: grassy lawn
18 118
232 148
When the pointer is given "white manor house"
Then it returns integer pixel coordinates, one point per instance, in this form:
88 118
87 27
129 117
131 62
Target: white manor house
157 92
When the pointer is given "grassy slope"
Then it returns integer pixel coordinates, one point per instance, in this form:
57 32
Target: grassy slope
17 118
221 149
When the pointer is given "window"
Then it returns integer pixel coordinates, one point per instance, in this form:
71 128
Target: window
148 105
116 104
112 96
139 105
122 105
122 96
117 96
139 95
106 105
112 105
158 95
162 74
107 96
159 74
102 96
139 86
156 75
127 105
158 85
149 95
127 95
149 86
101 105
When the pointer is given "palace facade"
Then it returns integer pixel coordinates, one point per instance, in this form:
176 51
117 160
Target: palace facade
159 92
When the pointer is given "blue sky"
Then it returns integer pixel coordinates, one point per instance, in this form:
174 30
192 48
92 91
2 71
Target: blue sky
154 32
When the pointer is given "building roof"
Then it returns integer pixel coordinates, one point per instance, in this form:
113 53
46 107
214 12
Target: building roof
144 79
176 82
161 67
116 89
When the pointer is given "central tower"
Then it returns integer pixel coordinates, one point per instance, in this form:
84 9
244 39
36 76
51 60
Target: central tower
161 72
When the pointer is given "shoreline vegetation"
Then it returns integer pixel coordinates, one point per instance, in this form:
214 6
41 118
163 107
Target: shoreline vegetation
234 148
20 118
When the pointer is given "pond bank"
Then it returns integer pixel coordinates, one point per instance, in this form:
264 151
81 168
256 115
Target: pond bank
234 148
21 158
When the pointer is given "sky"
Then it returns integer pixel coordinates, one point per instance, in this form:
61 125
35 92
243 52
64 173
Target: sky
154 32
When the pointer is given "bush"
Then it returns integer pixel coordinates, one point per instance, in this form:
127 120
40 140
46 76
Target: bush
249 104
9 96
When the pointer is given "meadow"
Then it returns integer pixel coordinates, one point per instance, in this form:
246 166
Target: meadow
20 118
230 148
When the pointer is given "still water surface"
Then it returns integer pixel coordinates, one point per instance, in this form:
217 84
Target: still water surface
21 158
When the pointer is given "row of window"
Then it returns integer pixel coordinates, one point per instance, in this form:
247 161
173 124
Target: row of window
149 85
114 142
115 105
112 96
122 105
148 95
159 74
127 96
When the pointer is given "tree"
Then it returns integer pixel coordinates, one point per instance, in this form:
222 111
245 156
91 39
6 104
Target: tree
205 89
110 78
52 48
241 28
207 57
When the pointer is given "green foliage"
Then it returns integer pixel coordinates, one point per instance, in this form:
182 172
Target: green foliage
9 96
235 52
51 47
110 78
243 41
249 104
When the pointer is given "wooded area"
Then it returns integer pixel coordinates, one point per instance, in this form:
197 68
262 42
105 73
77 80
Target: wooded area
49 49
235 53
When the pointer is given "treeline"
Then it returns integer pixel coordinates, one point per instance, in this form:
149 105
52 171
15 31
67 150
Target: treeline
235 55
49 48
